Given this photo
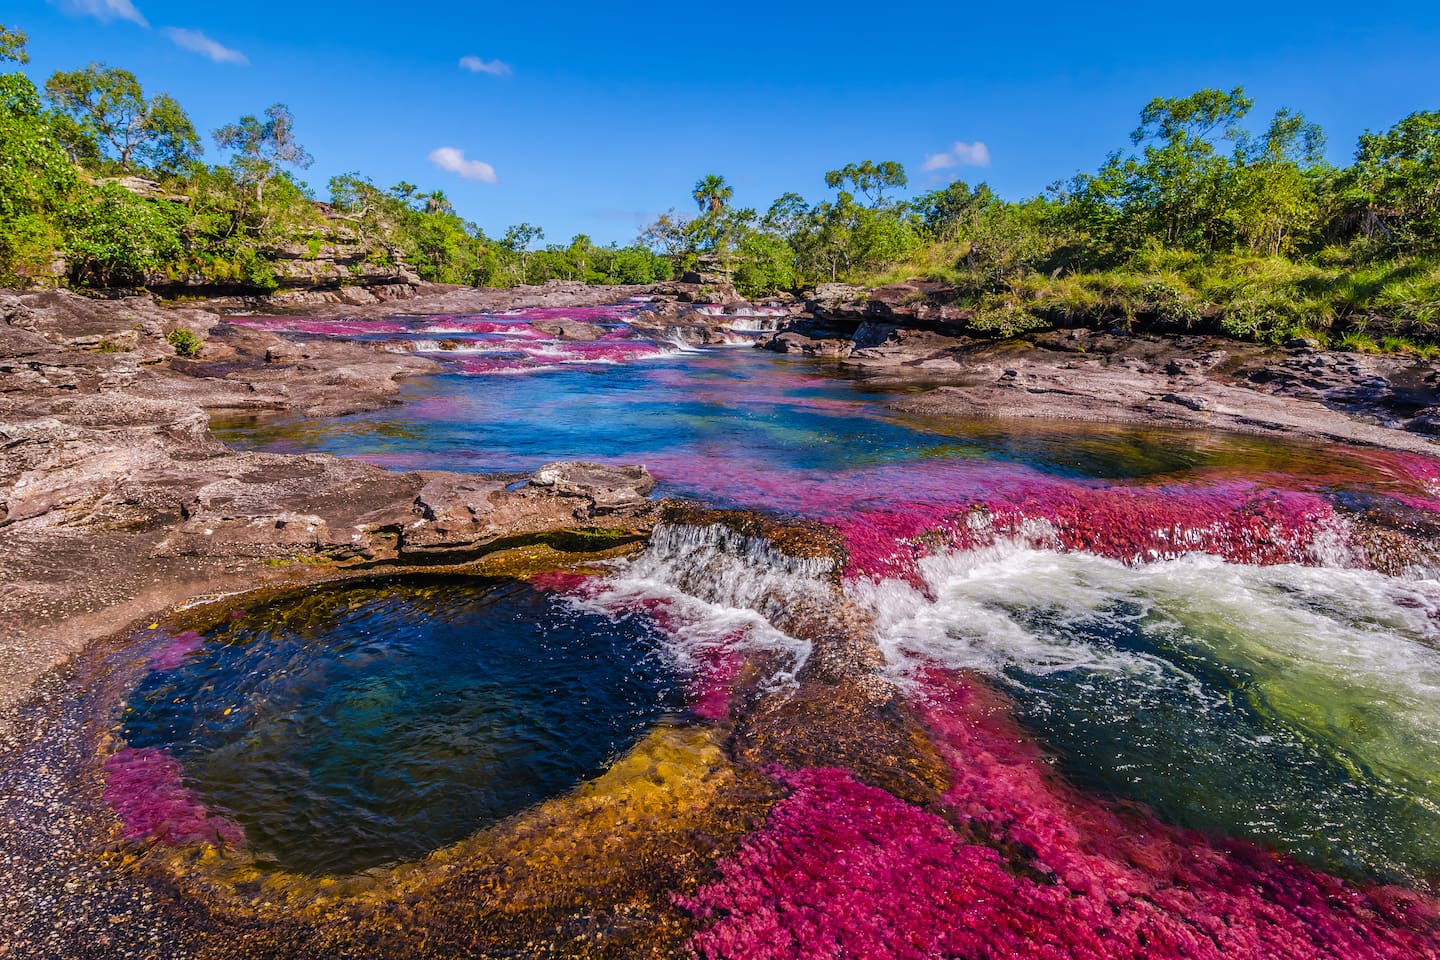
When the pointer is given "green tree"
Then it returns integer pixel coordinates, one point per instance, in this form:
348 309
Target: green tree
12 45
948 212
517 242
789 216
869 178
711 193
261 147
766 264
437 202
670 235
1273 201
36 177
108 106
1176 190
114 238
420 229
1397 176
829 249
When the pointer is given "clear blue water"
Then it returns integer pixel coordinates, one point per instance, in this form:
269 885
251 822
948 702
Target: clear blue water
362 725
709 423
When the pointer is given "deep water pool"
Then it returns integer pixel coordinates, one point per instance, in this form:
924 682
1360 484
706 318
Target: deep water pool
362 725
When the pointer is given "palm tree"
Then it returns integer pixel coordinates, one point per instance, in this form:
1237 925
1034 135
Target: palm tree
711 193
437 202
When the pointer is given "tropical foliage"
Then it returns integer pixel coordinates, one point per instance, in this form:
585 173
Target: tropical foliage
102 184
1209 219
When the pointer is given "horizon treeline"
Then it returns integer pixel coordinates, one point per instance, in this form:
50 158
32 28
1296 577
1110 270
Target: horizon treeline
103 185
1209 219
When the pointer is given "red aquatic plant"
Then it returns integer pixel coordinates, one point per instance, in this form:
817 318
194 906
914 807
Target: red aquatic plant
1022 865
176 651
144 787
1236 521
713 682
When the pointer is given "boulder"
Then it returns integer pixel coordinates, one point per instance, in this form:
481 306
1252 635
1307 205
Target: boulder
566 329
448 497
609 489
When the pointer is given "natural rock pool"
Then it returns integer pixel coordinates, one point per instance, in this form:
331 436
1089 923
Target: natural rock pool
933 687
360 726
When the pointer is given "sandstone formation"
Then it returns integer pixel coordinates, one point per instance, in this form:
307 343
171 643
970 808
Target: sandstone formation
116 501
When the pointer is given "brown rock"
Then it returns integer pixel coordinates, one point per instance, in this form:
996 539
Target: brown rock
609 489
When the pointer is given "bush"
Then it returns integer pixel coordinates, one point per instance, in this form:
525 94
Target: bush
185 342
114 238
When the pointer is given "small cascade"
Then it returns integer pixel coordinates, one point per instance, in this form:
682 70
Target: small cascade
482 344
746 319
712 588
752 324
676 338
1280 703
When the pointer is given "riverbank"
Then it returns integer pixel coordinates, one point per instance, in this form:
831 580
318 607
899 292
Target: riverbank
121 510
116 501
902 334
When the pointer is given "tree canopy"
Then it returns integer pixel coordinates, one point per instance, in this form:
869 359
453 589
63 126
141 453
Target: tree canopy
261 147
108 115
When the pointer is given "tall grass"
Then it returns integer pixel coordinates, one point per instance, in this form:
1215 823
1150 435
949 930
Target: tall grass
1338 296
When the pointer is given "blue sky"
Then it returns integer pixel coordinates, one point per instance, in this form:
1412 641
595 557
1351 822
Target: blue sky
594 117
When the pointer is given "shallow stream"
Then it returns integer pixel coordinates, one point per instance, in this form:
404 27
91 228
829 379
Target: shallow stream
1184 624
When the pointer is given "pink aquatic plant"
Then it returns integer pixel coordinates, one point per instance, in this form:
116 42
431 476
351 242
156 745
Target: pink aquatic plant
143 786
1022 865
488 343
176 651
561 581
712 685
1236 521
521 356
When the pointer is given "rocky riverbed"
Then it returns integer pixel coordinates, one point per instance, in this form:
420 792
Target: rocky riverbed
119 511
115 500
900 334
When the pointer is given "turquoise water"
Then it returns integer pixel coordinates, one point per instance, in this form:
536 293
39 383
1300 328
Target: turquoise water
706 423
359 726
1283 704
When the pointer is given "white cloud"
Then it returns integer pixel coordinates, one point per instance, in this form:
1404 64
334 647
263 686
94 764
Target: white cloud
496 68
197 42
106 10
961 155
452 159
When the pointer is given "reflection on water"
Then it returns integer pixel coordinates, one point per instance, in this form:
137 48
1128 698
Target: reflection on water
1283 703
740 427
363 725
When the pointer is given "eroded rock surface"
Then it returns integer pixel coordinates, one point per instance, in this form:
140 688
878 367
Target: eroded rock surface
902 335
117 501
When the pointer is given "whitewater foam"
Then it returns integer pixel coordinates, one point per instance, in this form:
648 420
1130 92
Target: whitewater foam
712 589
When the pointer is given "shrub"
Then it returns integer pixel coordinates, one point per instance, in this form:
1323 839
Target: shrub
185 342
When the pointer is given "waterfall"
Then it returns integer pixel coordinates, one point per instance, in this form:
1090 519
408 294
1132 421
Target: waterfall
711 588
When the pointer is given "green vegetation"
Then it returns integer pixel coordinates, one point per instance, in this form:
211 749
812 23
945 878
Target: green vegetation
1209 221
1206 224
185 342
102 185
